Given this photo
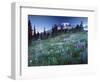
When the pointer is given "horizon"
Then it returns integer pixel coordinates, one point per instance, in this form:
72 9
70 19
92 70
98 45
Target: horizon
40 22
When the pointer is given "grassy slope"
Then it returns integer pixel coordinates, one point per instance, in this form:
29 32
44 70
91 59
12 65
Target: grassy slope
60 50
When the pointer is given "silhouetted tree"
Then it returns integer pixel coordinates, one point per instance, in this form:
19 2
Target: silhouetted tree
81 26
55 28
34 34
34 31
29 31
52 30
77 27
44 31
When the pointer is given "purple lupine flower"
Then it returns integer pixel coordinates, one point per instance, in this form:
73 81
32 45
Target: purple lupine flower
79 45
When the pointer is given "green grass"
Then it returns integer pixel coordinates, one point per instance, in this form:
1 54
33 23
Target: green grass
64 49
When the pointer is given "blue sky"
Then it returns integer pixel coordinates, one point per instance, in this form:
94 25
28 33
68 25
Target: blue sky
48 21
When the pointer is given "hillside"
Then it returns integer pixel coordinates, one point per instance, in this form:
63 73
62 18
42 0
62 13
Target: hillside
64 49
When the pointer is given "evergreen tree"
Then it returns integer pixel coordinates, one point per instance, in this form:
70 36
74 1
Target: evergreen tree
55 28
44 34
77 27
81 25
62 28
29 31
44 31
34 31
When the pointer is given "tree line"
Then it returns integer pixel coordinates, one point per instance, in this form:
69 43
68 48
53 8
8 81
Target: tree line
33 35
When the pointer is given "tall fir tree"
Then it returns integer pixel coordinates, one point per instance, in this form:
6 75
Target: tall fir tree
29 31
34 31
81 25
44 31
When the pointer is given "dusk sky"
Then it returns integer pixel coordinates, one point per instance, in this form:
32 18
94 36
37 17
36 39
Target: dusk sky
48 21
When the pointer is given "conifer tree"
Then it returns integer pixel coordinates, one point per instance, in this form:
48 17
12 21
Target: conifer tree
29 31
